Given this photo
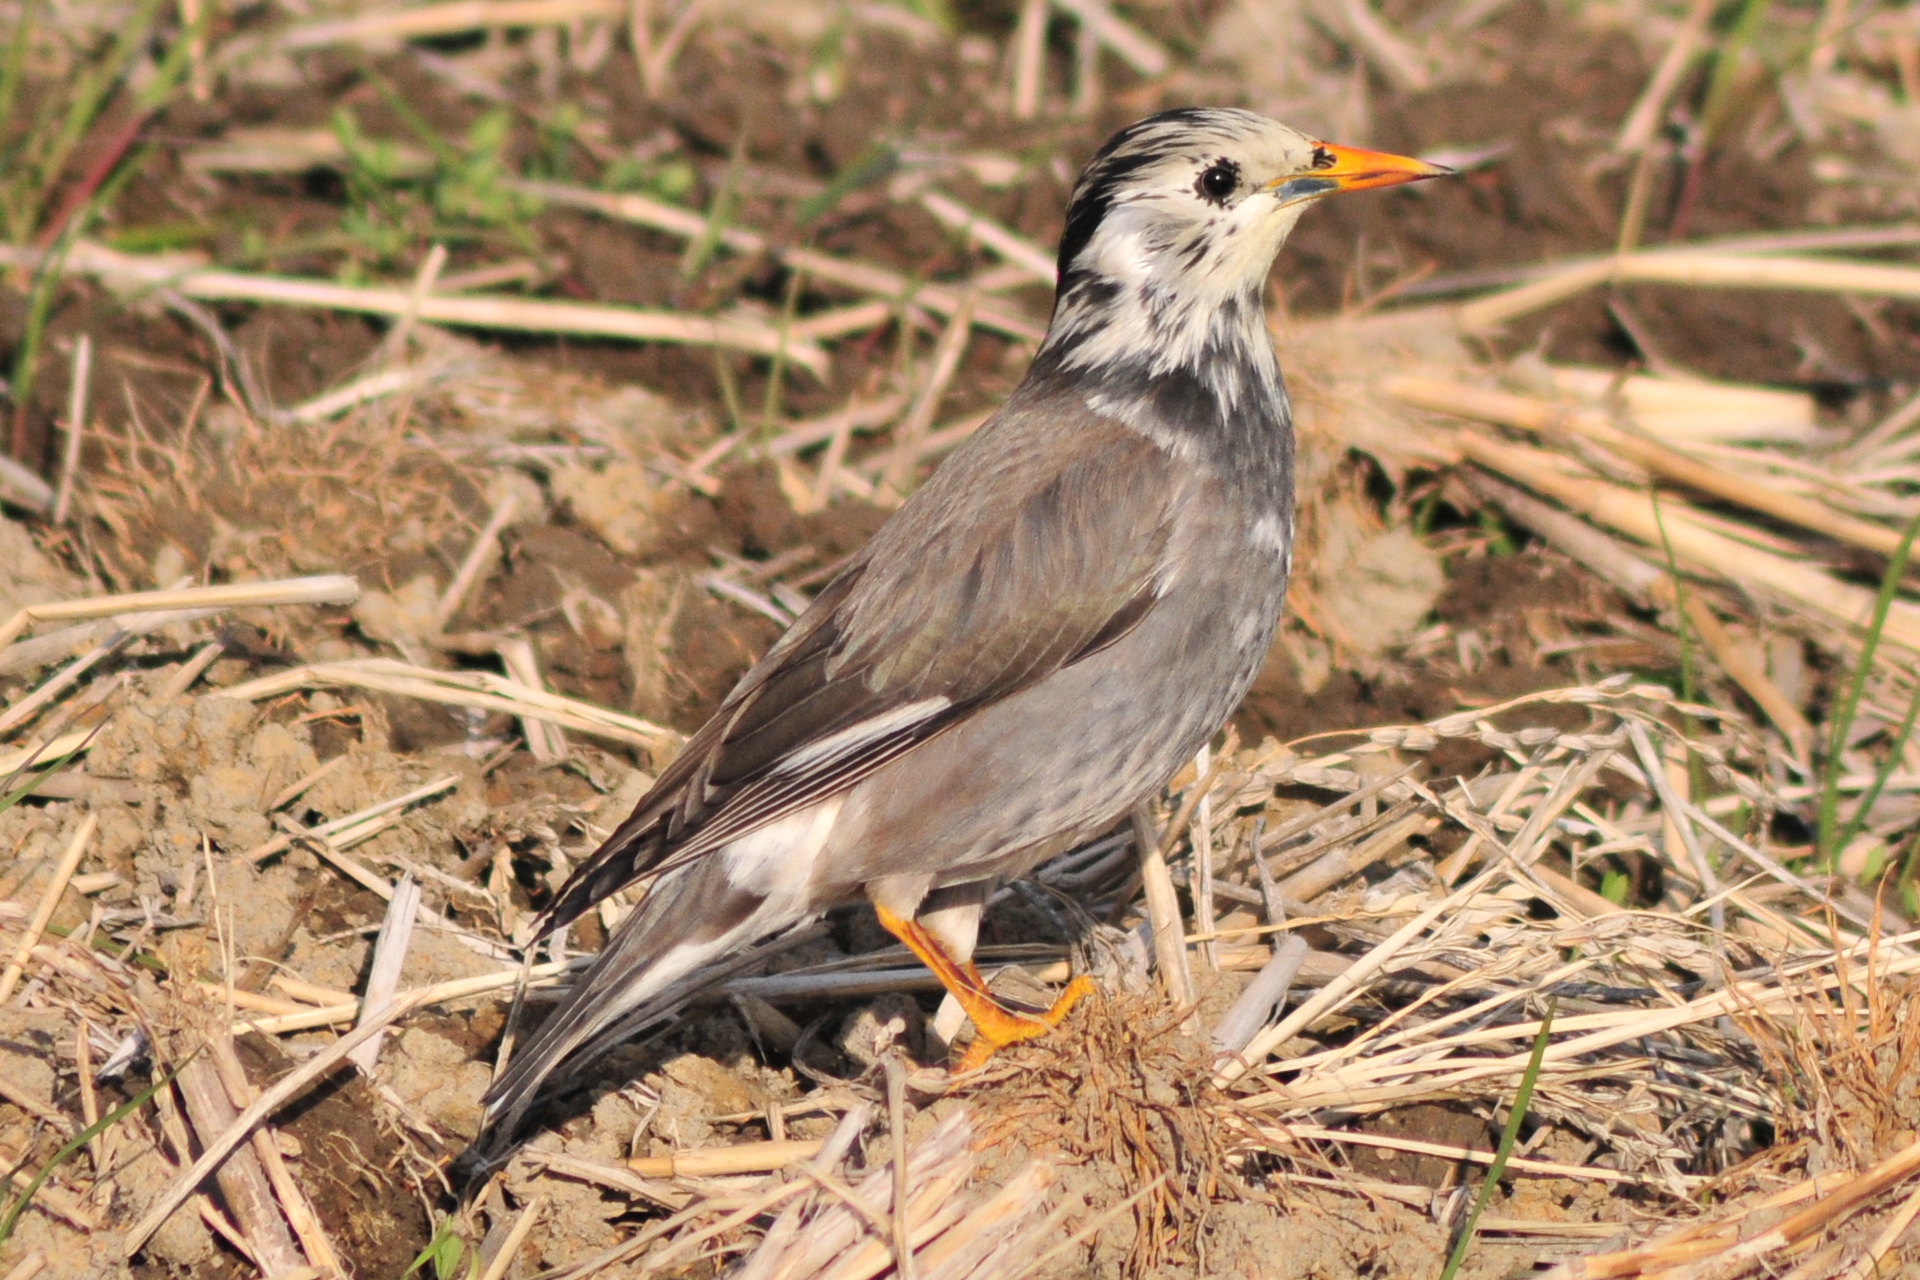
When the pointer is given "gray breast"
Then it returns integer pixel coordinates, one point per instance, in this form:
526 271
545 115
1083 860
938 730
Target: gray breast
1066 758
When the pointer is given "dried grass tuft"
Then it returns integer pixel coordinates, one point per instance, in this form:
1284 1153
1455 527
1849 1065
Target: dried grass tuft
1123 1093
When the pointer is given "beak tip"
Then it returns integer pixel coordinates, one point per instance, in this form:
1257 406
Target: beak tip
1357 169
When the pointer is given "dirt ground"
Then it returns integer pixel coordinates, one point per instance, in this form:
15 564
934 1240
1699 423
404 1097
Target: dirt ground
605 569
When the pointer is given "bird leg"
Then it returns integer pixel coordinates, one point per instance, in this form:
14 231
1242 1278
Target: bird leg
994 1026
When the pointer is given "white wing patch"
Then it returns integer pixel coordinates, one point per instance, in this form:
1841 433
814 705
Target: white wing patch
854 736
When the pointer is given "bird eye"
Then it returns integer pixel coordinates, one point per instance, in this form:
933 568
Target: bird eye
1219 182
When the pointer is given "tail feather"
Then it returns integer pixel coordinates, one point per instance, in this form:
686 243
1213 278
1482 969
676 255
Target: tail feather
689 920
628 855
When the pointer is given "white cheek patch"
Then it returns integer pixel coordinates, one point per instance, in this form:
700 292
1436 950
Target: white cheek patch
1122 249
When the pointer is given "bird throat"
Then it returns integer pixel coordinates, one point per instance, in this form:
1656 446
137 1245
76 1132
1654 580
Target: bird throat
1190 370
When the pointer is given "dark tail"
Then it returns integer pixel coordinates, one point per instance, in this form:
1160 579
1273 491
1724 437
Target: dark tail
689 919
630 854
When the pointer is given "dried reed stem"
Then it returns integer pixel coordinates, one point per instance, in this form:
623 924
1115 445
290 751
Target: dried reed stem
375 386
81 376
1638 129
1883 434
23 488
716 1162
1134 47
389 958
437 993
1554 421
191 670
392 26
461 689
480 558
1201 882
520 315
310 994
1397 62
11 762
49 901
1163 914
1347 983
28 707
37 1107
242 1180
1694 269
330 588
220 1147
342 829
1029 59
1696 546
28 1267
1746 673
546 741
1268 991
1867 1265
860 277
510 1247
979 229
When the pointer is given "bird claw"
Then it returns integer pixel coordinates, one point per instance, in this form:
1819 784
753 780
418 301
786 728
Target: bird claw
995 1028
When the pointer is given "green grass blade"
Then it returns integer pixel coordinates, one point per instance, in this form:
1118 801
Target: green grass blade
729 392
720 213
46 279
776 377
15 797
27 788
1509 1137
876 164
1880 776
92 91
1725 77
1840 720
13 70
123 952
79 1140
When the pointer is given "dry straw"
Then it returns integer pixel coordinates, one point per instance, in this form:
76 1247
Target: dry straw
1693 269
509 314
322 589
478 689
218 1147
1446 912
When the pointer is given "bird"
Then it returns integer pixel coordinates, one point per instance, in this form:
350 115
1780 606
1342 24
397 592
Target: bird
1036 640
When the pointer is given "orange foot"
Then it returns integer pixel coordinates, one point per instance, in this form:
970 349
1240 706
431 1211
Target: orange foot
994 1026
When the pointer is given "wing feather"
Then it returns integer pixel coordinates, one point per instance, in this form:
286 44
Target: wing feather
1037 544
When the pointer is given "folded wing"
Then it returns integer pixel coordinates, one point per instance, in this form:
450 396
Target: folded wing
1039 543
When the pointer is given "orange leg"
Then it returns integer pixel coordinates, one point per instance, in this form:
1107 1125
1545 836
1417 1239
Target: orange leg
994 1027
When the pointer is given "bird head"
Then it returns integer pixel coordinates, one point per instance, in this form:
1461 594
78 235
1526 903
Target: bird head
1174 225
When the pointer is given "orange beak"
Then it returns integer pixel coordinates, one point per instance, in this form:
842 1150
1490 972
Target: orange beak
1337 168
